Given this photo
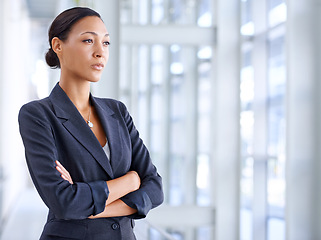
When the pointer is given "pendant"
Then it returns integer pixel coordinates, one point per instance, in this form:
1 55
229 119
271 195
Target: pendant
90 124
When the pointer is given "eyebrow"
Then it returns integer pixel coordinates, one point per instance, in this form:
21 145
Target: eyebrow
94 33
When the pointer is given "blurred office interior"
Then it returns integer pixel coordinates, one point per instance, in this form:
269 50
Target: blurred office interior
225 94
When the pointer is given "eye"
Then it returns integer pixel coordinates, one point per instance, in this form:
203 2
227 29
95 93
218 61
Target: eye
88 41
106 43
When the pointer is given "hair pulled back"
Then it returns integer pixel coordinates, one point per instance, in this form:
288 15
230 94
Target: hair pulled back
61 27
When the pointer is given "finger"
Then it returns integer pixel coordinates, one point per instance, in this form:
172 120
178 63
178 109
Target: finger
64 173
59 170
62 169
67 179
61 166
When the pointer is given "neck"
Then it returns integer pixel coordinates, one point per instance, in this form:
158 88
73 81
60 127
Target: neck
78 92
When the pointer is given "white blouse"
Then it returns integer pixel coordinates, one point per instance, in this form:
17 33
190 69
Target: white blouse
107 150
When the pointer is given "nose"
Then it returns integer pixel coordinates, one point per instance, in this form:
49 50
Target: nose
99 51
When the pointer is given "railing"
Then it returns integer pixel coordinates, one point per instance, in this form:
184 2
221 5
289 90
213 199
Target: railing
174 217
143 231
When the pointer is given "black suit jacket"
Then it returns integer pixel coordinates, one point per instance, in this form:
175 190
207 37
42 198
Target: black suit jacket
53 129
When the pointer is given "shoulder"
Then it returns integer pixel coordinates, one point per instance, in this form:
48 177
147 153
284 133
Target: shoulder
113 104
36 105
35 108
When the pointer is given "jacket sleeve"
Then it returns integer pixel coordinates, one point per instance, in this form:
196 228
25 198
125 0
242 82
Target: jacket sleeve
150 193
66 201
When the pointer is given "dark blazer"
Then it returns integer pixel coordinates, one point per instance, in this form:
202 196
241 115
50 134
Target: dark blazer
53 129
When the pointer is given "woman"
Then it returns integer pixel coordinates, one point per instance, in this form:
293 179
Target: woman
84 153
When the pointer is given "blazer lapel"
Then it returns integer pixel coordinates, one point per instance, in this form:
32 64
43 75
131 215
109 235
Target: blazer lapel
112 131
75 124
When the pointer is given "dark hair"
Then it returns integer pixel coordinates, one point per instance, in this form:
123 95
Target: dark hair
61 27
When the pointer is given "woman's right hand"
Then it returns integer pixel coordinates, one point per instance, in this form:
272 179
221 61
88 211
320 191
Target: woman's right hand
64 173
118 188
134 179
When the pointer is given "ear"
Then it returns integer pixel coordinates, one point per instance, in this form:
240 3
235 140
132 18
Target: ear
56 44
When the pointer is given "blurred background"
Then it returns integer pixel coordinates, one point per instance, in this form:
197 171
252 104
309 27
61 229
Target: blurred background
225 94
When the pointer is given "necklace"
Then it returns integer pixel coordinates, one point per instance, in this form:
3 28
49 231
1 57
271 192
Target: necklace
89 123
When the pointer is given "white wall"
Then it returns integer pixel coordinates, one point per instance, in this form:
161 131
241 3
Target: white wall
14 27
303 120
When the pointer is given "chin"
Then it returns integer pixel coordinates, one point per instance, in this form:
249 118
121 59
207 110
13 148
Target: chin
93 80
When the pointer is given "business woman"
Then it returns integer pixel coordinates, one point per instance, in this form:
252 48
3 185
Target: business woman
84 154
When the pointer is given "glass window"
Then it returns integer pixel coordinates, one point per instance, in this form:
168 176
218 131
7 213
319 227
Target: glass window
204 233
126 11
182 11
246 185
204 55
276 228
277 12
205 13
247 97
169 88
274 3
143 12
277 70
159 109
143 106
156 12
125 75
157 102
134 12
247 25
276 134
275 112
246 128
178 119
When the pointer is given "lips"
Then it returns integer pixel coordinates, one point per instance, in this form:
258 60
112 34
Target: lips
98 66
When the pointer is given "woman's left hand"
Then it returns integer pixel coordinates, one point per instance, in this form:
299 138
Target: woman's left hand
64 173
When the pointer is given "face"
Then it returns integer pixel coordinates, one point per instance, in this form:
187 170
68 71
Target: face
85 53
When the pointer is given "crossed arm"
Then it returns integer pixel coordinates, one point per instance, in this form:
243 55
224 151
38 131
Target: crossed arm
118 188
